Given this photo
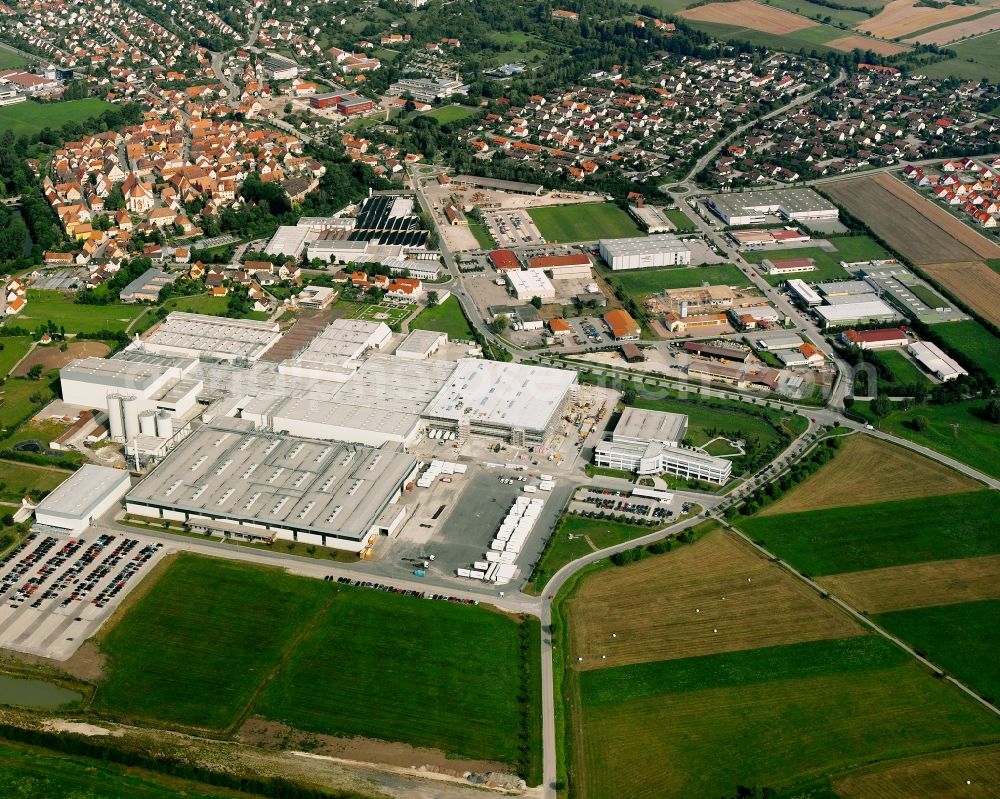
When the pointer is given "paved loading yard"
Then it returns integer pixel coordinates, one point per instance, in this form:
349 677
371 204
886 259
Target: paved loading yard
56 591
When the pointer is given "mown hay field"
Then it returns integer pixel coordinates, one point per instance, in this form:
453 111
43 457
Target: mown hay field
867 470
863 43
960 30
902 17
963 774
938 582
717 595
749 15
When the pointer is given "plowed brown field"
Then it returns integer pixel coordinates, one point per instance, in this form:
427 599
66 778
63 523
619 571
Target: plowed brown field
902 17
854 42
920 230
973 282
960 30
716 595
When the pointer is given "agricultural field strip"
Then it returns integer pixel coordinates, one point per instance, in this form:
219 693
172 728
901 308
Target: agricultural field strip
868 470
751 15
745 667
719 596
847 539
938 582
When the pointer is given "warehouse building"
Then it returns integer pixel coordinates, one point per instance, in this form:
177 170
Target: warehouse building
504 260
512 402
885 338
230 480
753 207
421 344
652 218
335 353
650 442
803 293
622 326
935 360
146 287
495 184
849 314
212 337
644 252
532 283
707 349
87 495
563 266
788 266
774 340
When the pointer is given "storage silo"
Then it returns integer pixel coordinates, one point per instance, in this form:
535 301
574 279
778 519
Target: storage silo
164 424
130 410
147 423
116 420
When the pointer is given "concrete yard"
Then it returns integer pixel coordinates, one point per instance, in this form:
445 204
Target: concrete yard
42 617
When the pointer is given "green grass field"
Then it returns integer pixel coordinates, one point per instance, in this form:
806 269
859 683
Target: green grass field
22 397
323 658
641 283
17 479
451 113
849 248
807 39
428 673
963 639
584 222
575 537
482 234
977 58
30 117
904 372
10 60
445 318
813 10
680 219
58 307
14 348
206 304
958 430
219 652
846 709
975 342
883 534
27 772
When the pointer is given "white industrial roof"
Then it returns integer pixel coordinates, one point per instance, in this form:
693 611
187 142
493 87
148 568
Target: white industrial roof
214 336
645 425
644 245
855 310
289 240
113 373
83 491
533 280
267 479
506 394
343 340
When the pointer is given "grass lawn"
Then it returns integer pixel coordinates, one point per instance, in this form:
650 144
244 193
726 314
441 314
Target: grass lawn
447 317
9 60
977 58
59 307
428 673
584 222
31 117
904 372
975 342
21 397
182 656
849 248
680 219
807 38
849 539
12 349
831 707
575 537
812 10
482 234
958 430
27 772
451 113
17 479
642 283
206 304
389 314
962 639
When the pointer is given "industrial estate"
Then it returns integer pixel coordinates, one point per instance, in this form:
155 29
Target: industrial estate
593 402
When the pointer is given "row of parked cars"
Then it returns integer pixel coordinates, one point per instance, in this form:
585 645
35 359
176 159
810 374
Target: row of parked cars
117 585
403 591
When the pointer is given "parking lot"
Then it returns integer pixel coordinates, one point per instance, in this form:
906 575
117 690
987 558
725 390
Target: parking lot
635 509
512 228
57 590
